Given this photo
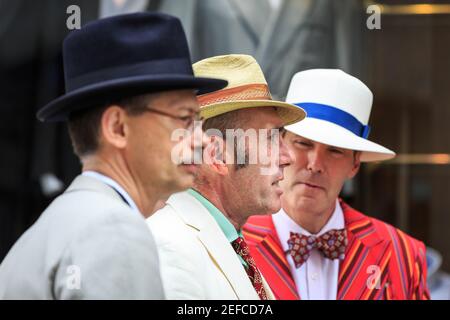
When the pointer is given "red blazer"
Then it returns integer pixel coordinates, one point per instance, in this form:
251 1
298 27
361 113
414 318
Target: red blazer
400 258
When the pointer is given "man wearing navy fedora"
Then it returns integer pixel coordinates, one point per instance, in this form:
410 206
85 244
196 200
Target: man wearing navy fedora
317 247
129 85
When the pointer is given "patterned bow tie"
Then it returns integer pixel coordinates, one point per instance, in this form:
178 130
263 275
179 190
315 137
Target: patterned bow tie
332 244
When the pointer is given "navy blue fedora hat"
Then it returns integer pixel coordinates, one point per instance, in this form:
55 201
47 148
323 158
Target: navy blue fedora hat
123 56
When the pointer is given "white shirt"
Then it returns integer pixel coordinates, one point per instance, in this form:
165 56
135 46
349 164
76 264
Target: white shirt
113 184
317 278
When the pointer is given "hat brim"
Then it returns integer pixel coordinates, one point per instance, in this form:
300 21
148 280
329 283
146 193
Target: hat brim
289 113
331 134
108 91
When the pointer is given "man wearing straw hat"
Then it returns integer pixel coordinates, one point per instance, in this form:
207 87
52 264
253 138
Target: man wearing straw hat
129 84
318 247
200 246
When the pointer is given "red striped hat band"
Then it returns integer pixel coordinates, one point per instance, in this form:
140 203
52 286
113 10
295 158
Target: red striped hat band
256 91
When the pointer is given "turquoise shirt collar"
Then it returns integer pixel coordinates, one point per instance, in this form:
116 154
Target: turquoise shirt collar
225 225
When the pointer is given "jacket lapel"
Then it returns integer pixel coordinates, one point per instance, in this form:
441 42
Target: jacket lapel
252 15
225 257
211 236
266 250
290 16
363 274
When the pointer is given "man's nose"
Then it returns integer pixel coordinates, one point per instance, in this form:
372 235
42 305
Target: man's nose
315 161
199 138
287 157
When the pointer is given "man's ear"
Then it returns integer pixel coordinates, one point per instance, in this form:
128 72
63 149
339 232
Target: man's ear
113 127
214 155
356 164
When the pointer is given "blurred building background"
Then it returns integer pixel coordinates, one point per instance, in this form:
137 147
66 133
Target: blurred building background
406 63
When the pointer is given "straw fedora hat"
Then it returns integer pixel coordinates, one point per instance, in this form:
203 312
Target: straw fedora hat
338 107
247 88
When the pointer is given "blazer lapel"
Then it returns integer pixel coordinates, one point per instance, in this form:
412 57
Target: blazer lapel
211 236
252 15
363 274
267 251
225 257
290 16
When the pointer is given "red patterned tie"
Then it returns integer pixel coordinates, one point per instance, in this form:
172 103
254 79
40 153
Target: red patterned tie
332 244
241 248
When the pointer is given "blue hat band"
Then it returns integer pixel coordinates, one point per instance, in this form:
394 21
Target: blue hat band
336 116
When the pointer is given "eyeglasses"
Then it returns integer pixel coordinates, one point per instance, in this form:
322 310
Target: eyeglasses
188 121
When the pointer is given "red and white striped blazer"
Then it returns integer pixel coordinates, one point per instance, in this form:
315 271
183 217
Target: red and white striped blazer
399 259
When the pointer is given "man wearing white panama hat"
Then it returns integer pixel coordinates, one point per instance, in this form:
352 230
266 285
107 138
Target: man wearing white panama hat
318 247
201 250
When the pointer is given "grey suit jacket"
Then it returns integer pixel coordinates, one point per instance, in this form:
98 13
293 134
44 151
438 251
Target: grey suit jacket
88 244
300 35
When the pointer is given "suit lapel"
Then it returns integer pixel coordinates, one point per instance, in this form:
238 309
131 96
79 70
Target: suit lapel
252 15
363 274
267 251
225 257
291 15
211 236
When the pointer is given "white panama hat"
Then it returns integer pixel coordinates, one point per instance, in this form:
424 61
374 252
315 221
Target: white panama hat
338 108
